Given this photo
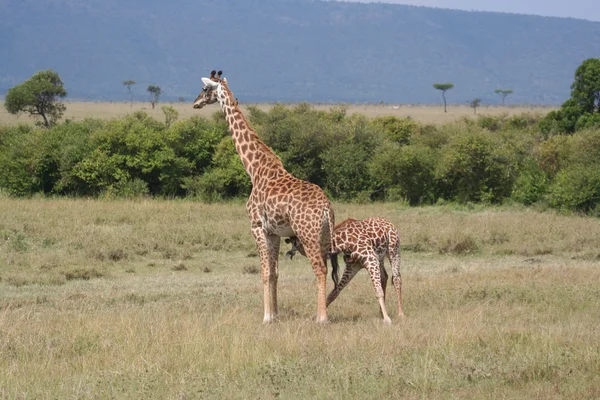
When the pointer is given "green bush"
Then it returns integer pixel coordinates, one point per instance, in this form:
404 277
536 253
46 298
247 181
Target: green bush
21 163
576 188
474 167
492 123
226 179
128 189
406 172
531 185
397 130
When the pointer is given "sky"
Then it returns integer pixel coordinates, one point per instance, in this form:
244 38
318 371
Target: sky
584 9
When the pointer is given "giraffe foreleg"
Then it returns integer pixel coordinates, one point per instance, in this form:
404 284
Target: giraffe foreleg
349 273
268 250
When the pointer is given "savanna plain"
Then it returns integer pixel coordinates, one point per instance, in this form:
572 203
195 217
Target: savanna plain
157 298
163 299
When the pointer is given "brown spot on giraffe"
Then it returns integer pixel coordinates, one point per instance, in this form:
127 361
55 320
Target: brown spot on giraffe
364 244
271 206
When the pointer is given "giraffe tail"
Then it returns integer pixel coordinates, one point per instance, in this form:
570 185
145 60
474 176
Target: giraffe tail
332 248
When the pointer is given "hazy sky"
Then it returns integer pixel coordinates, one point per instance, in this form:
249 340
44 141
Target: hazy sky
585 9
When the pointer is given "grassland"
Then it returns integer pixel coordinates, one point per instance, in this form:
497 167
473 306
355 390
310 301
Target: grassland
422 113
161 299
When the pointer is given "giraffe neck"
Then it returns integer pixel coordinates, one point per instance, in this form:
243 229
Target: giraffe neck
257 157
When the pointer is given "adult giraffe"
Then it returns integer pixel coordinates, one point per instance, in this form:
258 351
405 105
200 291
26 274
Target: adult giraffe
280 205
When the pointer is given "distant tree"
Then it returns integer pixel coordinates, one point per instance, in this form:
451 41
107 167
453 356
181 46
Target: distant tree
181 99
585 90
38 96
128 84
444 87
155 92
582 110
474 104
503 93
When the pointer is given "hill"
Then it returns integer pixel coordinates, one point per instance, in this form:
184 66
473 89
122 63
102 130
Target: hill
293 50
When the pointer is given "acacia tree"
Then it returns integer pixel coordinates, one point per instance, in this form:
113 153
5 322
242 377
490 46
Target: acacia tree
503 93
474 104
128 84
38 96
444 87
155 92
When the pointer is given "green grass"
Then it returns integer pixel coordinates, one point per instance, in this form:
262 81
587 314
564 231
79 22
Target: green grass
161 299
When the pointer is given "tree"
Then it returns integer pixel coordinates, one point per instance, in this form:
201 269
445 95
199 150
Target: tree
181 99
38 96
444 87
582 110
503 93
155 92
474 104
129 83
585 90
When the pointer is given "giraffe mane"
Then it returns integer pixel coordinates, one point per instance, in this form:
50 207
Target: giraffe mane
266 149
344 222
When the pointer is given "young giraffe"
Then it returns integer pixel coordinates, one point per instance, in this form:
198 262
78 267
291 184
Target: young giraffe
280 205
364 245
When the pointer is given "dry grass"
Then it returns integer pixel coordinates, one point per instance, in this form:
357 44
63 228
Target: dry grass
160 299
432 114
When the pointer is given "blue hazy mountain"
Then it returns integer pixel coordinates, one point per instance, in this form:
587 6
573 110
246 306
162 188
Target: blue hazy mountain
292 50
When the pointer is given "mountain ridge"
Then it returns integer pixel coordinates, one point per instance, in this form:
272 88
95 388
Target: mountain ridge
293 50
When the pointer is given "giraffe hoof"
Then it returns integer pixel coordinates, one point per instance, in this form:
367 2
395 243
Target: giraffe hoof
387 321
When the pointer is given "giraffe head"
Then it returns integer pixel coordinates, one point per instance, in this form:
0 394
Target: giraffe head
210 92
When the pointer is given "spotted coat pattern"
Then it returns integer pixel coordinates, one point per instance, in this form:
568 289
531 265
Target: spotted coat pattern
280 205
365 244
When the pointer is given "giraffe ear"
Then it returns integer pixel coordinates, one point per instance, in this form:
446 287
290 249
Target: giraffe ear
208 83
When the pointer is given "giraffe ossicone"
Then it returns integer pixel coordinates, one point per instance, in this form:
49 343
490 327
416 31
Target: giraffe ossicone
280 205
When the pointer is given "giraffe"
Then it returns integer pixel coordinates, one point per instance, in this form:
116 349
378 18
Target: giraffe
364 245
280 205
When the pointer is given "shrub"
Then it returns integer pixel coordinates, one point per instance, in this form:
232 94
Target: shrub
552 154
576 188
128 189
531 185
345 168
405 171
476 168
398 130
21 162
492 123
226 179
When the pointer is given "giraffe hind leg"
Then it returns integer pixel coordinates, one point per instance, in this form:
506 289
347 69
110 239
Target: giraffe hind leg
317 258
371 263
394 256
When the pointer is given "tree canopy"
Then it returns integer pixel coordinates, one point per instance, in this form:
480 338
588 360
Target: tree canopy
38 96
585 90
444 87
503 93
582 110
128 84
155 92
